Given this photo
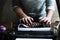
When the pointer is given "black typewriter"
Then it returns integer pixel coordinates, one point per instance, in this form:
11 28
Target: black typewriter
34 30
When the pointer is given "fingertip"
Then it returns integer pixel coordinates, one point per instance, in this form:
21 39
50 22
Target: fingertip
32 19
49 23
40 17
45 21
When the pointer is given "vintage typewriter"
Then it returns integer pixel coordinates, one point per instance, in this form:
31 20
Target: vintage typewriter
34 30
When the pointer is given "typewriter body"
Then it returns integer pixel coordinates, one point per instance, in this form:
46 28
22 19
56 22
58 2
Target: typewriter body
35 30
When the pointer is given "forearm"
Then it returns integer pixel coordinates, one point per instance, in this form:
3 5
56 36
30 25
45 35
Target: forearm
49 13
23 17
20 12
50 7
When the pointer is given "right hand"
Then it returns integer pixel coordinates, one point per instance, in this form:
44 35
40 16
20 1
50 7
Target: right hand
26 20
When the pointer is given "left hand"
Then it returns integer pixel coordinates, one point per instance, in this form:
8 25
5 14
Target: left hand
46 20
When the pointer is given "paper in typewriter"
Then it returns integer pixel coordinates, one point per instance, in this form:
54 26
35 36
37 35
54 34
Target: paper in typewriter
31 39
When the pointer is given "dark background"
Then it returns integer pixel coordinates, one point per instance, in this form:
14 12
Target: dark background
6 11
58 5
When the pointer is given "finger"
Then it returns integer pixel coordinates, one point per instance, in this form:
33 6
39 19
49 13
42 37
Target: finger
20 20
48 22
23 20
26 20
30 21
45 20
42 19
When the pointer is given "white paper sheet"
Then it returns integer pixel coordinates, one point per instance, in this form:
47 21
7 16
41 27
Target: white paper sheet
31 39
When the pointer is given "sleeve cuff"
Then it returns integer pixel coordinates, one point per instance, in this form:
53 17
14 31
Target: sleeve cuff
52 8
15 7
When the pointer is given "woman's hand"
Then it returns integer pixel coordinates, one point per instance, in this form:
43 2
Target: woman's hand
46 20
26 20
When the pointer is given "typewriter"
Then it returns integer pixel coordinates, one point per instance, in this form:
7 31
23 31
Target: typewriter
35 30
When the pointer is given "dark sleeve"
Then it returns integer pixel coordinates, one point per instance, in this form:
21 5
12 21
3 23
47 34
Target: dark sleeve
15 3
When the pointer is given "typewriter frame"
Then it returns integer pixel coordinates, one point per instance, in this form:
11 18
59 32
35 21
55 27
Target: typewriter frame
55 32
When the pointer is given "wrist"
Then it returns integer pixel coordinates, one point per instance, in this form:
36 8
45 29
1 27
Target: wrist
24 16
49 17
49 14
